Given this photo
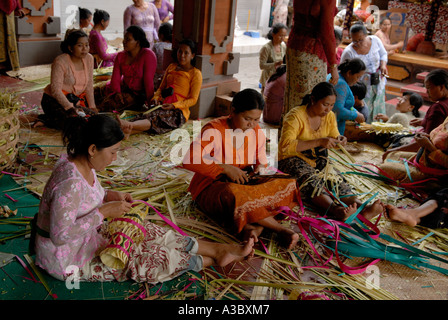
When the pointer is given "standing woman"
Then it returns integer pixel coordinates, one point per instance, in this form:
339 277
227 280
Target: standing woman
70 92
8 49
70 227
308 132
311 53
272 53
98 45
166 10
227 150
178 92
144 15
371 51
350 72
132 84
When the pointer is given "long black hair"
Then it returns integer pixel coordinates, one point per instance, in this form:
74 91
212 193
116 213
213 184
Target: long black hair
246 100
275 29
71 38
320 91
355 65
100 15
416 101
139 35
80 133
193 48
166 30
438 77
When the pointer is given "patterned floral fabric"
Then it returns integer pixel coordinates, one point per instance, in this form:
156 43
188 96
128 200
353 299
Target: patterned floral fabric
163 121
235 205
307 178
417 19
304 71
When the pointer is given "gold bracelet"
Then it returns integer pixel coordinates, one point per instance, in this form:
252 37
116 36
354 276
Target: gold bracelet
334 66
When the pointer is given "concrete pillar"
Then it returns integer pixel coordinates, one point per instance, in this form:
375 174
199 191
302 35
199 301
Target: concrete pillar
211 24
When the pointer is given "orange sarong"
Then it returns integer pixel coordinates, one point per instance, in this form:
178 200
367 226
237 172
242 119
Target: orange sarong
235 205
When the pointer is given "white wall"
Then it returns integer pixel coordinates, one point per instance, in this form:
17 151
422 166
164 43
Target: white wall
67 10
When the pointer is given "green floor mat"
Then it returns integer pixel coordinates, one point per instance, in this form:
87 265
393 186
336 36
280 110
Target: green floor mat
19 282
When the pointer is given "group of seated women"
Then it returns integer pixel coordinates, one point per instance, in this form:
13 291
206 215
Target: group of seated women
229 184
131 87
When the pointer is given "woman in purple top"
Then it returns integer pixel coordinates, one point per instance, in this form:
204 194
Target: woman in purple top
166 10
98 45
131 85
144 15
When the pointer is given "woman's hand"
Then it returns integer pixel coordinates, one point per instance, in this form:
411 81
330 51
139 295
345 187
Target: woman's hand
360 118
328 142
381 116
112 195
156 102
235 174
383 68
424 142
94 109
416 122
168 106
342 140
115 209
260 169
334 75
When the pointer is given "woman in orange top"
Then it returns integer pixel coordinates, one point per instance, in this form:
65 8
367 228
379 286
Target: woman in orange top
227 149
178 91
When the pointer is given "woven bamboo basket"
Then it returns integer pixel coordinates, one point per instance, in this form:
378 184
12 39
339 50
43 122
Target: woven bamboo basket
9 136
125 231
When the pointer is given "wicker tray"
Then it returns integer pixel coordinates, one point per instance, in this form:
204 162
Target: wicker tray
9 136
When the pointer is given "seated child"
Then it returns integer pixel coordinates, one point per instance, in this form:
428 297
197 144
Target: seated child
359 91
407 107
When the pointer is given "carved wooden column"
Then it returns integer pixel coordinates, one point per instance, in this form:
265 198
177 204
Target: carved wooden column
37 34
211 24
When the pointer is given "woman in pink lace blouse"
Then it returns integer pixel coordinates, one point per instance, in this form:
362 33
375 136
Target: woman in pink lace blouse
70 92
69 230
144 15
98 45
132 82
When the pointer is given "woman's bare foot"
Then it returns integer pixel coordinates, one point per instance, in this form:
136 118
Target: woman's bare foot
373 210
126 126
229 253
252 231
288 238
38 124
341 213
400 215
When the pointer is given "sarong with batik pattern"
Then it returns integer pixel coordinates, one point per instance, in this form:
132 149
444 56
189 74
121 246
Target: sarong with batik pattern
163 255
234 205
